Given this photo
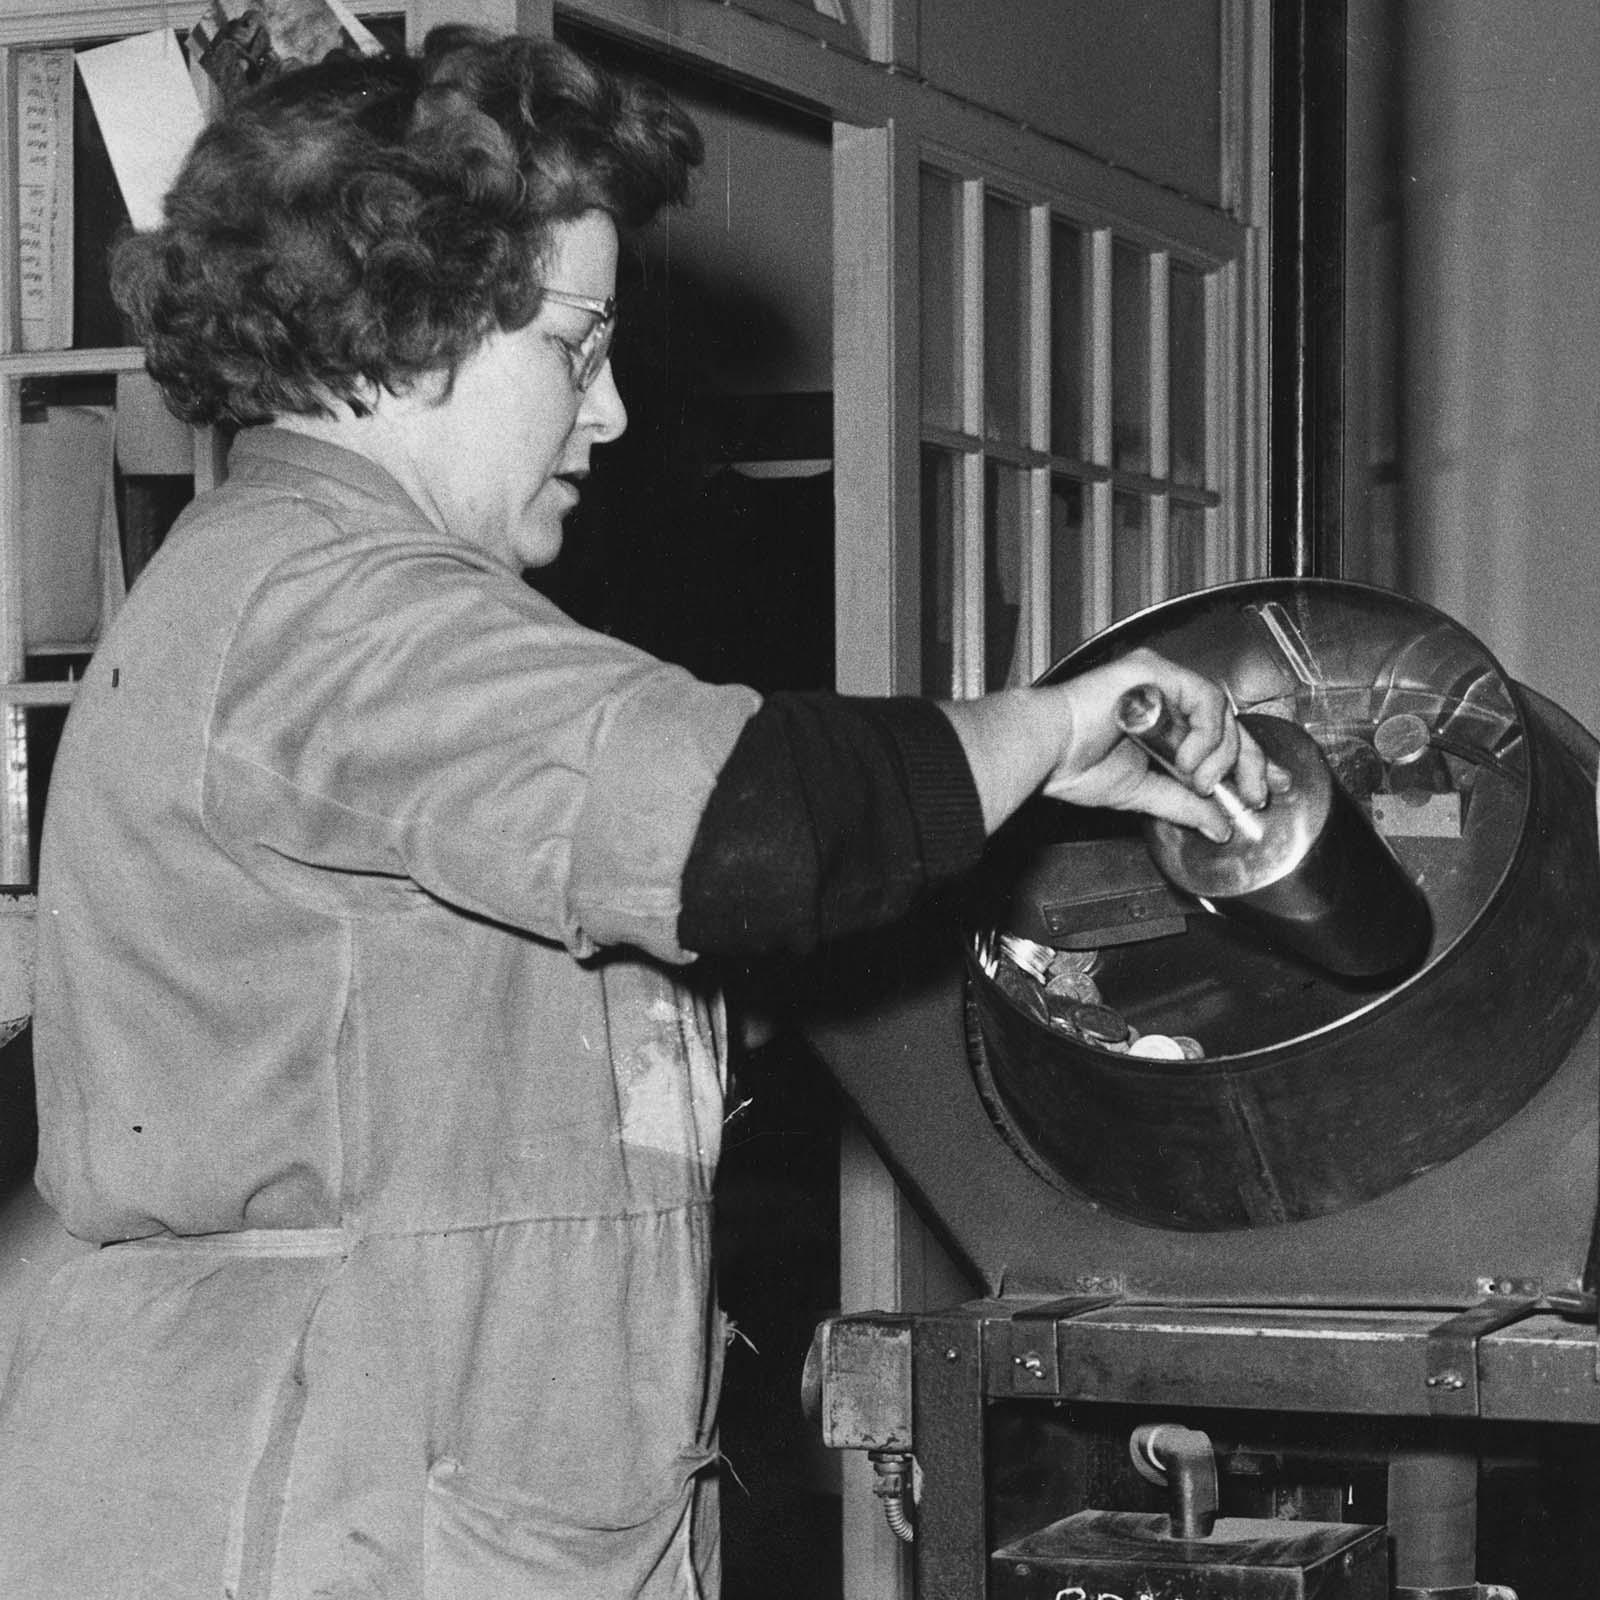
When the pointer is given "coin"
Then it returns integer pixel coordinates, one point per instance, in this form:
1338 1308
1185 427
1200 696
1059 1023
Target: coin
1099 1024
1029 954
1081 962
1076 986
1157 1047
1021 989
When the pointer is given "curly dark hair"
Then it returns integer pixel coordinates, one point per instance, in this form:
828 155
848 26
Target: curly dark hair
371 221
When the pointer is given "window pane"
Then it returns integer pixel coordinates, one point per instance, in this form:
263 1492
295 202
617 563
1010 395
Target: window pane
941 300
1130 359
1187 378
1004 499
1071 609
938 572
1186 549
1130 555
1068 369
33 750
1005 354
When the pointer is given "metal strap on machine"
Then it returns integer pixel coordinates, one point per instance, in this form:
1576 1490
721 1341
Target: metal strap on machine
1035 1367
1452 1380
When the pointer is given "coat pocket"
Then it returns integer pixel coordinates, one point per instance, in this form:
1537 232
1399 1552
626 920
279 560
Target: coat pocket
482 1541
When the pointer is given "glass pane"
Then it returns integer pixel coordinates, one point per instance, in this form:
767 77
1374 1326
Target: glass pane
941 300
1004 498
1071 608
1068 370
1130 359
1005 353
147 506
35 753
1130 555
938 572
1187 378
1186 549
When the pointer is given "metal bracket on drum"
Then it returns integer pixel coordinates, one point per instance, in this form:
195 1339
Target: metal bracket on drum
1452 1380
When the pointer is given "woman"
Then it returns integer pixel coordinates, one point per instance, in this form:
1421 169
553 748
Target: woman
367 1031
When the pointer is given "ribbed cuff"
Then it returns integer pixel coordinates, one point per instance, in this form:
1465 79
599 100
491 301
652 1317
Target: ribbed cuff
939 783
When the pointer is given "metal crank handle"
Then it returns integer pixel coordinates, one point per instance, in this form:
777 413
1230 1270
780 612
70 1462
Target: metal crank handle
1145 717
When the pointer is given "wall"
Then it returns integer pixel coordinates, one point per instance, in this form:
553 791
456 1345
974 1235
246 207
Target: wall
1375 103
756 238
1139 83
1500 301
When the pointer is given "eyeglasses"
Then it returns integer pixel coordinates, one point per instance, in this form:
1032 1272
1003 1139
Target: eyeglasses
590 353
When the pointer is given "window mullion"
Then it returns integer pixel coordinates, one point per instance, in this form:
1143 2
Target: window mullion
1222 390
1160 398
969 530
1036 608
1097 508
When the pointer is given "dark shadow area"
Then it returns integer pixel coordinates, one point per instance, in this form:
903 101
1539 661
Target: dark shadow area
777 1252
19 1127
677 546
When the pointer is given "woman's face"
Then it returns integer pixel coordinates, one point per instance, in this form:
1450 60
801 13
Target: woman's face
501 459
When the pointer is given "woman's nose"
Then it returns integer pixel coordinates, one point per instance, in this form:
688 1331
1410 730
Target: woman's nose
603 412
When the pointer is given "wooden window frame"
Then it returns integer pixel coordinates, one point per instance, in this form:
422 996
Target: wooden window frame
1233 543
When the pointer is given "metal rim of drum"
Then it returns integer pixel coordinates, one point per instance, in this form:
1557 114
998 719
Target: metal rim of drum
1353 1109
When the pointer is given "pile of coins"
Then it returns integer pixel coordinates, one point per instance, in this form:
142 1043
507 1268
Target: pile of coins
1057 988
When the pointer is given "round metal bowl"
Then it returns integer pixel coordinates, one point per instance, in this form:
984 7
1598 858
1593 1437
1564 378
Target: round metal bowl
1313 1093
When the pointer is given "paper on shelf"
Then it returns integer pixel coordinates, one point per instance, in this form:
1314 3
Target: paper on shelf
148 112
44 197
72 579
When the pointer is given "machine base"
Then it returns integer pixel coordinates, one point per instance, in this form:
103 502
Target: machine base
1108 1555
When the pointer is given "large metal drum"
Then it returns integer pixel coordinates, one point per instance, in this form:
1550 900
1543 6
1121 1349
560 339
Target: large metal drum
1313 1093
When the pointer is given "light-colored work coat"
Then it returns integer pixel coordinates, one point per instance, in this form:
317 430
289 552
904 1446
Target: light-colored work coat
366 1048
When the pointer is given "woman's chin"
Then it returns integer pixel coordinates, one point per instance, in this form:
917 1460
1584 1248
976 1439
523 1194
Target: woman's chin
538 541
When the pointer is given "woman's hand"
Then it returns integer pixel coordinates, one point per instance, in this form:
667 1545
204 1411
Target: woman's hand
1098 765
1064 739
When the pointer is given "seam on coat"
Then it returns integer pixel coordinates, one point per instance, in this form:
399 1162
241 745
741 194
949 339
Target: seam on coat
348 1071
644 1214
266 1496
618 1111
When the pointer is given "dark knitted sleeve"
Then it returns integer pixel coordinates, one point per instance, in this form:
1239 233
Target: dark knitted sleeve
832 815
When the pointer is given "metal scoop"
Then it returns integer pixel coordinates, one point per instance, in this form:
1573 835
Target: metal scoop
1308 872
